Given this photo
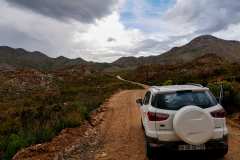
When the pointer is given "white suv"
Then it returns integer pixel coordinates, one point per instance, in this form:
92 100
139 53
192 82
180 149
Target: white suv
183 118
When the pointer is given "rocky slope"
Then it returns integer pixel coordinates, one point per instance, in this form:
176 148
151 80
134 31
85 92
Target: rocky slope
21 58
200 46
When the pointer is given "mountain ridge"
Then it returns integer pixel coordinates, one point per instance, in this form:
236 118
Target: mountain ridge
25 59
199 46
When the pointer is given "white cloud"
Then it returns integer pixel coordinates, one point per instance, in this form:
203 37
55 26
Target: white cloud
204 16
150 32
109 27
183 21
98 35
34 31
230 33
37 32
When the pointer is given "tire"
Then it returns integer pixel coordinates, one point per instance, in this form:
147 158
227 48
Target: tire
222 152
142 125
149 151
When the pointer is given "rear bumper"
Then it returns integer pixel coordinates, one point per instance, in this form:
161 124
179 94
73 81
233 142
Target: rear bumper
218 144
170 135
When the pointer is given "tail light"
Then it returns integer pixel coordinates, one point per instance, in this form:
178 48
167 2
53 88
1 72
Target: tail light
219 113
157 116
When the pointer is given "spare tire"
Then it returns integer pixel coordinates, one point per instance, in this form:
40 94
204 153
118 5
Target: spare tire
193 125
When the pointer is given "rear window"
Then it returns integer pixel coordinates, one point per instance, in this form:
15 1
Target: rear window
177 100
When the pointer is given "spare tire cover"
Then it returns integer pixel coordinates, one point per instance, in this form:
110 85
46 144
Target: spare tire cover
193 125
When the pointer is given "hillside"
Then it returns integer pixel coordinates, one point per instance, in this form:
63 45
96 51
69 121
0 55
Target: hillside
21 58
40 95
209 67
209 70
35 106
200 46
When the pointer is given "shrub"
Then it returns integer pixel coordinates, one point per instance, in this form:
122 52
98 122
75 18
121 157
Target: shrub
168 82
237 99
230 94
44 134
15 142
36 118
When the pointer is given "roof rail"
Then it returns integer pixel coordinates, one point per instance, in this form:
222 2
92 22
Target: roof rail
195 84
155 87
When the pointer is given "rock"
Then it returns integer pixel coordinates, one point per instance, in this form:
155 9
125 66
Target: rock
103 154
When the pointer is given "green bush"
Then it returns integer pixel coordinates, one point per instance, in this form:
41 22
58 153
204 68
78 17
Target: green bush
36 118
168 82
231 95
3 143
82 109
15 142
44 135
237 100
216 88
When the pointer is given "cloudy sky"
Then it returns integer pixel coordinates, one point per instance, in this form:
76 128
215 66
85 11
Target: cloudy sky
104 30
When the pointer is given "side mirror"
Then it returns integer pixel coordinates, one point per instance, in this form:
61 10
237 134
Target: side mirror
139 102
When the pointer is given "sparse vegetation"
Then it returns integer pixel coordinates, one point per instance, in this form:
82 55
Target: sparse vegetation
36 106
209 70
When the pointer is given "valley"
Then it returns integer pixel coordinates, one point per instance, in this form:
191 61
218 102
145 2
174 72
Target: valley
117 135
50 101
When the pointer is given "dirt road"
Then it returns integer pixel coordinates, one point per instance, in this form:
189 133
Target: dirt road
234 143
117 134
123 138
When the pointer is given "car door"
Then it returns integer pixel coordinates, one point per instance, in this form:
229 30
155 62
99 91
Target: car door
145 106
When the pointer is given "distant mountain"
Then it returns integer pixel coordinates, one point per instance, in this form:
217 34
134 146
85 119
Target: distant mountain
200 46
24 59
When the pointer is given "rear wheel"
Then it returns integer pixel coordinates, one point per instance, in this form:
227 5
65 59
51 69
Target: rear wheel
222 152
142 124
149 151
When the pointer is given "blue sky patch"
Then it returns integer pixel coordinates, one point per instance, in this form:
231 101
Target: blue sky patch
133 10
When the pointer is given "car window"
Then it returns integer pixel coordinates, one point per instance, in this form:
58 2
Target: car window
147 98
175 101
